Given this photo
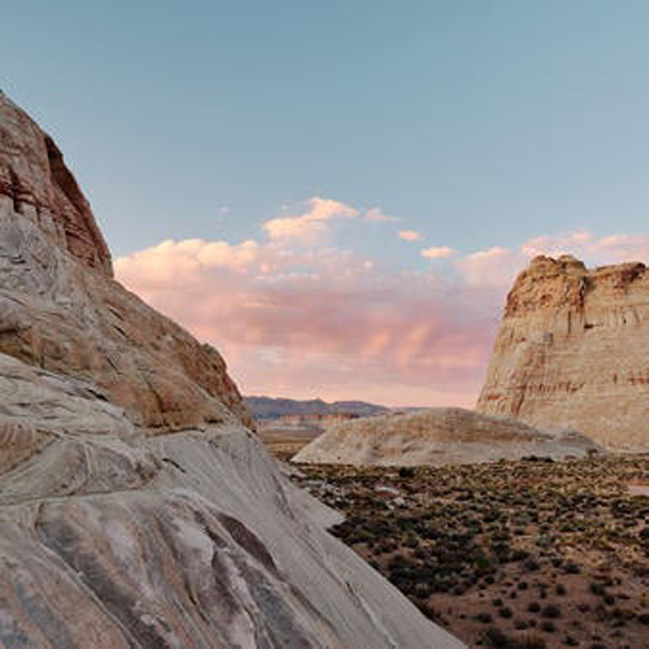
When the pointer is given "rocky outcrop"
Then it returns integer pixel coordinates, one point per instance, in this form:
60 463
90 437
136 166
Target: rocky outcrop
438 436
58 314
136 508
35 183
573 352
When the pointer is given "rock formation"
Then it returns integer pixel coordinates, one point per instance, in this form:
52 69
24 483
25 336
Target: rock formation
136 507
573 352
438 436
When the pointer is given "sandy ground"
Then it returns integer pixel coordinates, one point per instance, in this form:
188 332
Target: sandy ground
286 440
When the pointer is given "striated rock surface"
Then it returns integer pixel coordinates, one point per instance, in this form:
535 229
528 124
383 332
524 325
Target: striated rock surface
573 352
136 508
438 436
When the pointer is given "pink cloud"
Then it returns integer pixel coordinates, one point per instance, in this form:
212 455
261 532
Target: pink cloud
409 235
312 226
326 323
321 321
375 214
493 268
440 252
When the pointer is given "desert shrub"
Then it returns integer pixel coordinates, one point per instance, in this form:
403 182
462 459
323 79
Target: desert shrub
598 589
548 626
483 563
571 568
410 539
505 612
531 642
494 637
485 618
551 611
520 555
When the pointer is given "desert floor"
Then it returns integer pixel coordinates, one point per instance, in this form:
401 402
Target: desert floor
531 553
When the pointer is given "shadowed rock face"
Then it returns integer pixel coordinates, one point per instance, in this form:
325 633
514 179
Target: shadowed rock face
136 508
438 436
573 351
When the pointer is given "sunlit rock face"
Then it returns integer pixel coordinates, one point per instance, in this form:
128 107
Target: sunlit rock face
573 351
136 506
439 436
35 183
58 314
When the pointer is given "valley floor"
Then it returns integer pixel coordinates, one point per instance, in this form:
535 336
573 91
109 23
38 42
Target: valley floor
531 553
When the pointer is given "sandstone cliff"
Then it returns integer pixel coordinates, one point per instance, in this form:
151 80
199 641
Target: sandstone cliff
438 436
136 509
573 352
64 318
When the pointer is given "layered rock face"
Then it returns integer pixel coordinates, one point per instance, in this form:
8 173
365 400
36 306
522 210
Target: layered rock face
438 436
573 352
35 183
136 507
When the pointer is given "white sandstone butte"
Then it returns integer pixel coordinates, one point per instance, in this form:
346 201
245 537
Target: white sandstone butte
573 352
137 508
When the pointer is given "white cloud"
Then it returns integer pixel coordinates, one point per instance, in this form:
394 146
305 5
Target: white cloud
311 227
440 252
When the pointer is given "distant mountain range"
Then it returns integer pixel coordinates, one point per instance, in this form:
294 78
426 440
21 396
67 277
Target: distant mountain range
271 408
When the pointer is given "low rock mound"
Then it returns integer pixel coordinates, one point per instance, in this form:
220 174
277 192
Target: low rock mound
439 436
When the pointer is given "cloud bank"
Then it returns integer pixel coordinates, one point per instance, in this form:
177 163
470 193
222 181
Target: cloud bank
297 316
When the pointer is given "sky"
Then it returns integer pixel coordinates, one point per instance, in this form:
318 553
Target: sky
338 195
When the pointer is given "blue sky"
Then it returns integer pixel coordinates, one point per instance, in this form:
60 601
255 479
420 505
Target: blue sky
480 122
481 125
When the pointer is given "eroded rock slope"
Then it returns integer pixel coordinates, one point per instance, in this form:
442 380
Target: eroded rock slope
573 351
137 508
